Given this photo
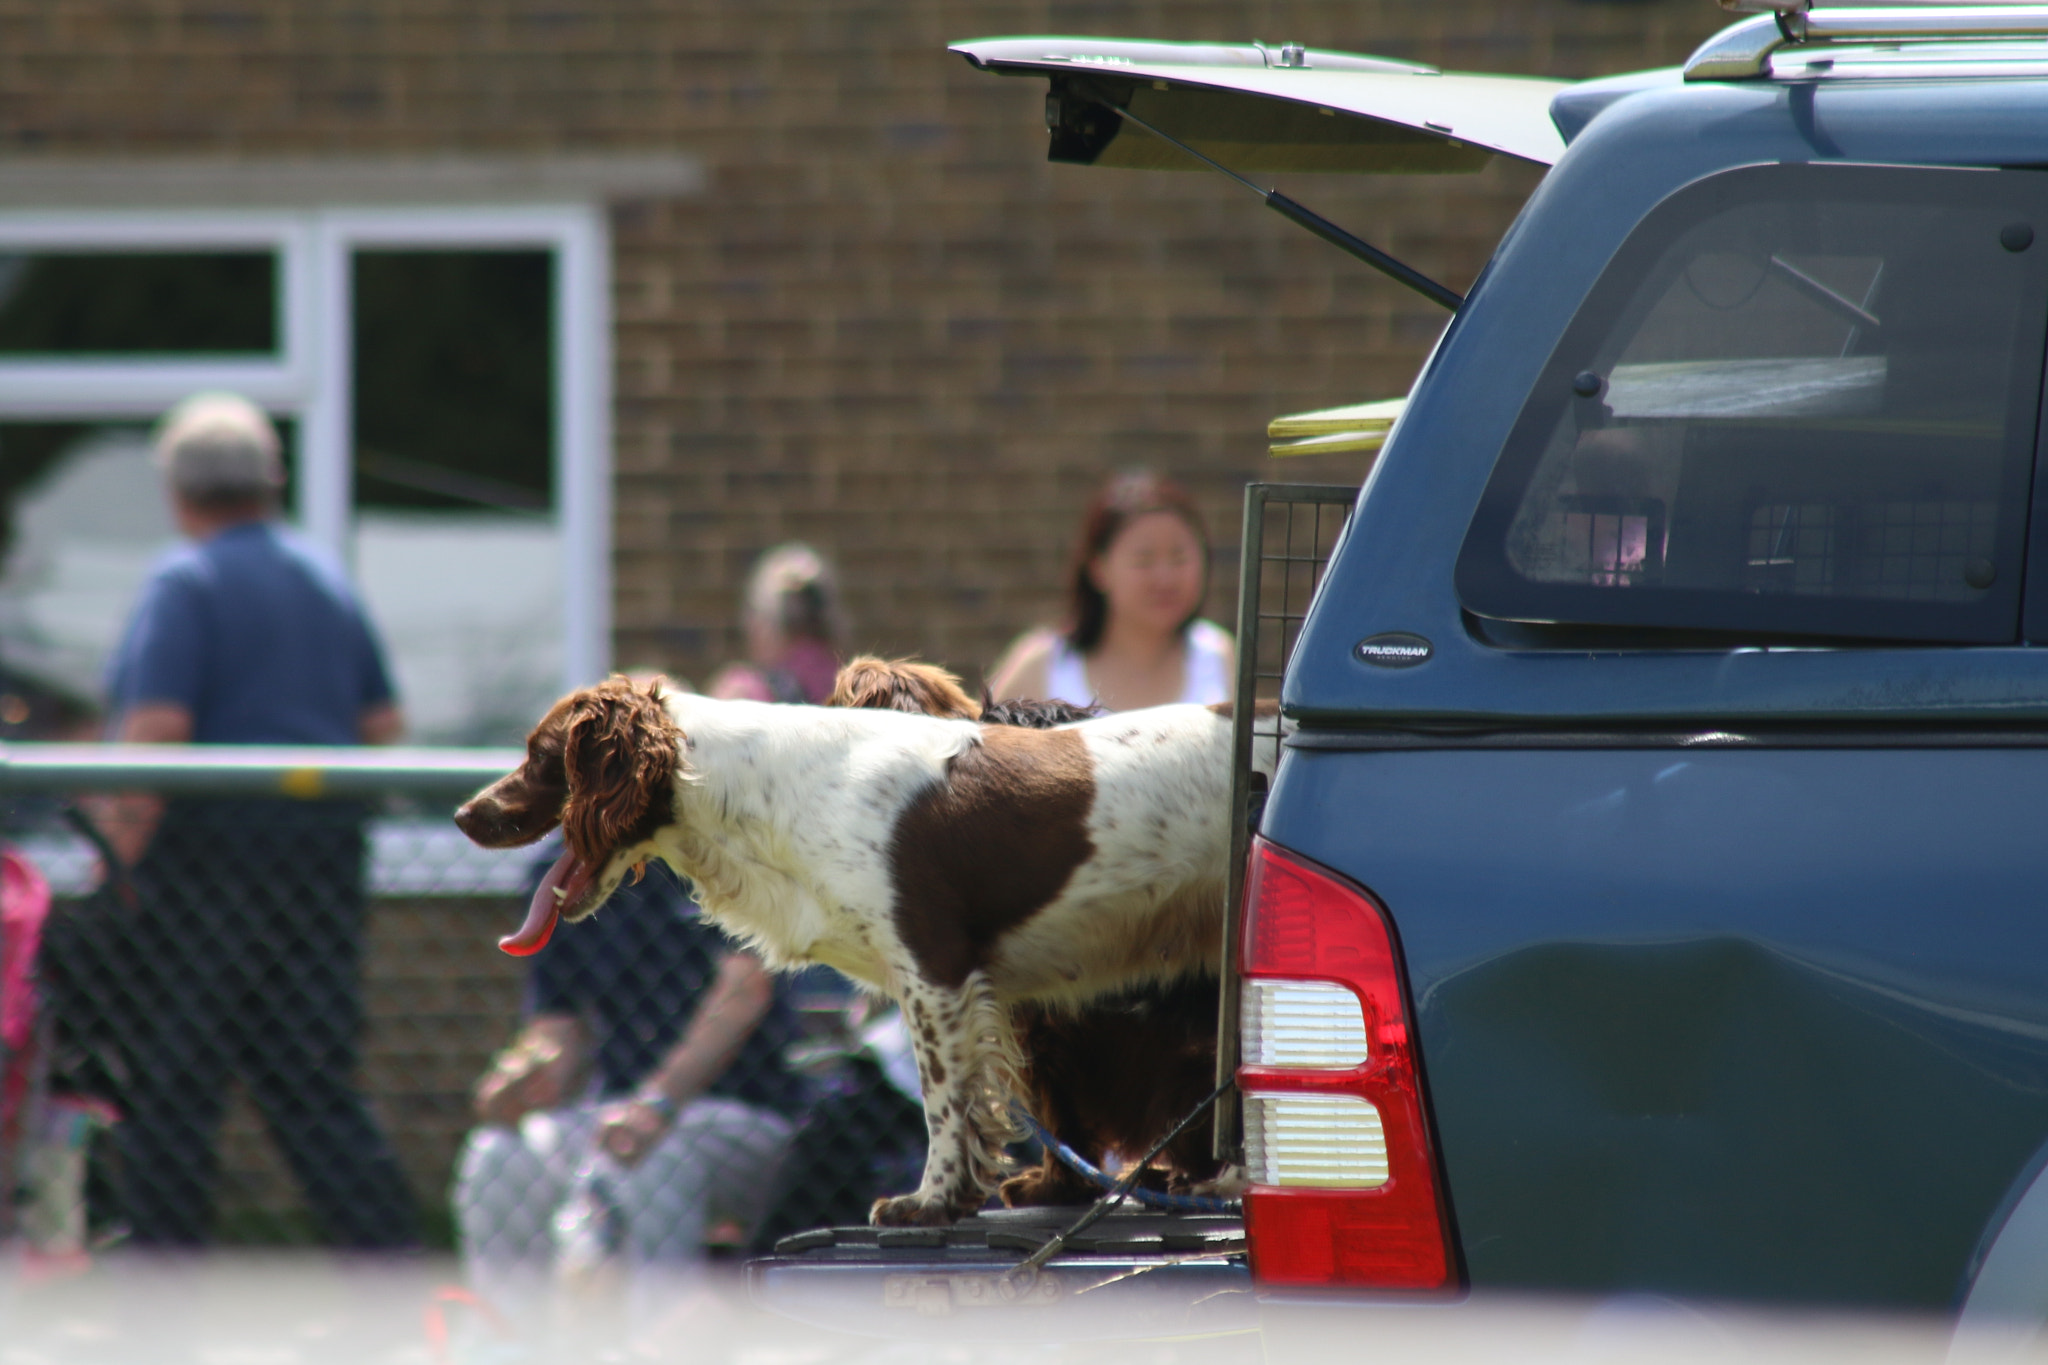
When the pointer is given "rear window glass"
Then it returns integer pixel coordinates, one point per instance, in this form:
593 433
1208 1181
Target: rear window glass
1801 399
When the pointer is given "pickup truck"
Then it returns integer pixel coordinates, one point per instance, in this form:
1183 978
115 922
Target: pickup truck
1652 895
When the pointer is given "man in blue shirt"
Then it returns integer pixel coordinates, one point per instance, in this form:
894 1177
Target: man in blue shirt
248 940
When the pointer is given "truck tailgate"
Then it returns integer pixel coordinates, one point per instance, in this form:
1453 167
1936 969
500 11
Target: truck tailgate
1134 1274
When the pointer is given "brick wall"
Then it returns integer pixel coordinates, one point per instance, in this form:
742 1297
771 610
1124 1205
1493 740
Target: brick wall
889 327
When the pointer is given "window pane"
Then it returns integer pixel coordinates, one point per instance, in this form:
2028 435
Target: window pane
138 303
454 390
457 549
1801 399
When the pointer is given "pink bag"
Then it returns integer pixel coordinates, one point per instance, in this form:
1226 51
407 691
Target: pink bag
24 905
43 1137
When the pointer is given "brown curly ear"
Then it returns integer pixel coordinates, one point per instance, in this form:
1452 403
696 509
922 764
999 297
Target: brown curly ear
620 751
901 685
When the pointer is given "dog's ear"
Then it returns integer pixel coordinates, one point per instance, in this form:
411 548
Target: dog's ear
619 752
943 694
901 685
863 683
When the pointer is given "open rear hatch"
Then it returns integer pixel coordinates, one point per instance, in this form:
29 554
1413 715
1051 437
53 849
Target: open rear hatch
1267 110
1248 110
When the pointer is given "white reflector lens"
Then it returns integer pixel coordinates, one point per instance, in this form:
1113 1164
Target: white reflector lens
1331 1142
1302 1023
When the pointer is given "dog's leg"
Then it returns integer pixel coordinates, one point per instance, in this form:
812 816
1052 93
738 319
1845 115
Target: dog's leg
1054 1050
967 1059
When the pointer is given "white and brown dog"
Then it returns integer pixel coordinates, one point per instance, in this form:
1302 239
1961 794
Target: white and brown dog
953 866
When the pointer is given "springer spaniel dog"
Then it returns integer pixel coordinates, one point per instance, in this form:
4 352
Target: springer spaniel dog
1118 1073
957 867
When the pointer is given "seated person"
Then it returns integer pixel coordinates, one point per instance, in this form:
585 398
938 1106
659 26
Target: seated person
688 1113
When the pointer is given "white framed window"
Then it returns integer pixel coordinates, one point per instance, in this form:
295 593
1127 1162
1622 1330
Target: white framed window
289 343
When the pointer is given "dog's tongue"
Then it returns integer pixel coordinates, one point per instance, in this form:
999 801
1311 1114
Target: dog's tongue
564 884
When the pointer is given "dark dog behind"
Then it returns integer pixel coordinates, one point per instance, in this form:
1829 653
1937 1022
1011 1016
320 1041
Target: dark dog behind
1116 1077
1081 1065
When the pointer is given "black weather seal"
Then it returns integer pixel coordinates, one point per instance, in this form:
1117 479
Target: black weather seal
1726 734
1303 216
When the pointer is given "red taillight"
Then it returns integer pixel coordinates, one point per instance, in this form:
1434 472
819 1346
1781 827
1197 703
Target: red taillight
1344 1188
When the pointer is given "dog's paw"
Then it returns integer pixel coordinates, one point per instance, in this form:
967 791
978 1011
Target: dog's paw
1051 1185
911 1211
1228 1183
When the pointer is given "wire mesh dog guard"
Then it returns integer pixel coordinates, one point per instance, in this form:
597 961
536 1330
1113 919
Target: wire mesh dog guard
1291 530
288 1023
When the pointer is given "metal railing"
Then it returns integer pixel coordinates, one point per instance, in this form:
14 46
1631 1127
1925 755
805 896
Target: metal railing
304 772
413 847
1743 51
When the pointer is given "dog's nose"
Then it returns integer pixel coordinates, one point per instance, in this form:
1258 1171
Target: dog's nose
475 819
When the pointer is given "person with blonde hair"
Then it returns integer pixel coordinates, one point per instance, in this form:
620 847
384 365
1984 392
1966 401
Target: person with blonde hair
794 628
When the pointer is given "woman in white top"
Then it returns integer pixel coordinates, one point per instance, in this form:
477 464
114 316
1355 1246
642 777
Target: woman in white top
1134 637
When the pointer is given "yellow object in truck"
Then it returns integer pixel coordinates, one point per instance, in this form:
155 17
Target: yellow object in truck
1360 428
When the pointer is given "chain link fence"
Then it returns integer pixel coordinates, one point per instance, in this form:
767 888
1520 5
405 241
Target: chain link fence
288 1022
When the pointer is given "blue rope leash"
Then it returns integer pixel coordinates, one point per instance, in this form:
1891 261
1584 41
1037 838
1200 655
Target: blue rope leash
1184 1203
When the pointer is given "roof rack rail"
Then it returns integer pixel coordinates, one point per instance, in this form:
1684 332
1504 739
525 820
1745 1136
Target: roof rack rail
1743 51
